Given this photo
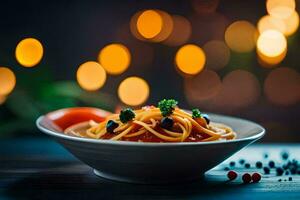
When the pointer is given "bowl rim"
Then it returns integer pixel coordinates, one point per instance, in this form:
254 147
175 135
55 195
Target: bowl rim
61 135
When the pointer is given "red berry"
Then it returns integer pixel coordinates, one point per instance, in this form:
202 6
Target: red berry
246 178
231 175
256 177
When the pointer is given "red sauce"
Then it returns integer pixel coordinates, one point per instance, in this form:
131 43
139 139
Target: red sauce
67 117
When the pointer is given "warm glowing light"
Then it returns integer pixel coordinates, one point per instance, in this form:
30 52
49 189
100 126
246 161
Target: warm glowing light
7 81
115 58
190 59
240 36
2 99
149 24
202 87
271 47
268 22
286 26
281 8
167 27
282 86
181 33
91 76
217 54
29 52
291 24
133 91
133 26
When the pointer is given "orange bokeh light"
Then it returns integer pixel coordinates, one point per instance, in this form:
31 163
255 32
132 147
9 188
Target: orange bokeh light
7 81
282 9
91 76
190 59
133 91
115 58
29 52
149 23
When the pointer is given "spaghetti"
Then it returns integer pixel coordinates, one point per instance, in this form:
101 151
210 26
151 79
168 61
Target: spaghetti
158 124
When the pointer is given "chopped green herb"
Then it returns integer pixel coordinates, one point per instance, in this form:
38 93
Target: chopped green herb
126 115
196 113
167 106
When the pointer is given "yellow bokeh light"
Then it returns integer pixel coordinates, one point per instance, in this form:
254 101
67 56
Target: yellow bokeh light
190 59
133 91
91 76
149 24
286 26
268 22
7 81
282 9
240 36
115 58
271 43
29 52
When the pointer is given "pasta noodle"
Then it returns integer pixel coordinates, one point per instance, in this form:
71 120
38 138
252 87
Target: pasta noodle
146 126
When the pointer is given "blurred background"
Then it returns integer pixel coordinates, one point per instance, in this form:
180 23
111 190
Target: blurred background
225 56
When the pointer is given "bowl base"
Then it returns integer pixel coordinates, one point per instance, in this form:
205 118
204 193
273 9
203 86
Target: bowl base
143 181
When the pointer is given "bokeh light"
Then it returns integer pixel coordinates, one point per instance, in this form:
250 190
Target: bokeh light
115 58
240 89
133 26
240 36
7 81
149 23
282 86
2 99
133 91
271 47
281 8
286 26
203 86
181 33
29 52
217 54
91 76
190 59
167 27
205 6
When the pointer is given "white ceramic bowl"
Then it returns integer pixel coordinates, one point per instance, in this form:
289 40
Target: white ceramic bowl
152 162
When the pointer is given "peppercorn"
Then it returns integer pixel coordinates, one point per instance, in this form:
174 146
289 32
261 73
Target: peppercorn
247 165
241 161
231 175
279 171
246 178
206 117
226 168
256 177
287 173
279 180
290 178
167 122
232 164
266 170
284 155
111 126
266 155
272 164
259 164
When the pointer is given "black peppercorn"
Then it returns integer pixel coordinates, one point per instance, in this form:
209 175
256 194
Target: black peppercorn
247 165
167 123
272 164
258 164
279 171
266 170
111 126
232 164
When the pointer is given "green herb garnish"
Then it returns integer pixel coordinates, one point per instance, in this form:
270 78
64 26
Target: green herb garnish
196 113
126 115
167 106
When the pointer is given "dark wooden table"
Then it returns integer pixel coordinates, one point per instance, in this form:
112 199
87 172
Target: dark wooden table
42 169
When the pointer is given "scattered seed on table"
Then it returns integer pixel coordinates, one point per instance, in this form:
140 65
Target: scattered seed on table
279 180
241 161
258 164
232 164
266 170
290 178
256 177
279 171
247 165
231 175
284 155
287 173
226 168
246 178
272 164
266 155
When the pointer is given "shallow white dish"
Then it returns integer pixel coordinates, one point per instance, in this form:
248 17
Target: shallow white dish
152 162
